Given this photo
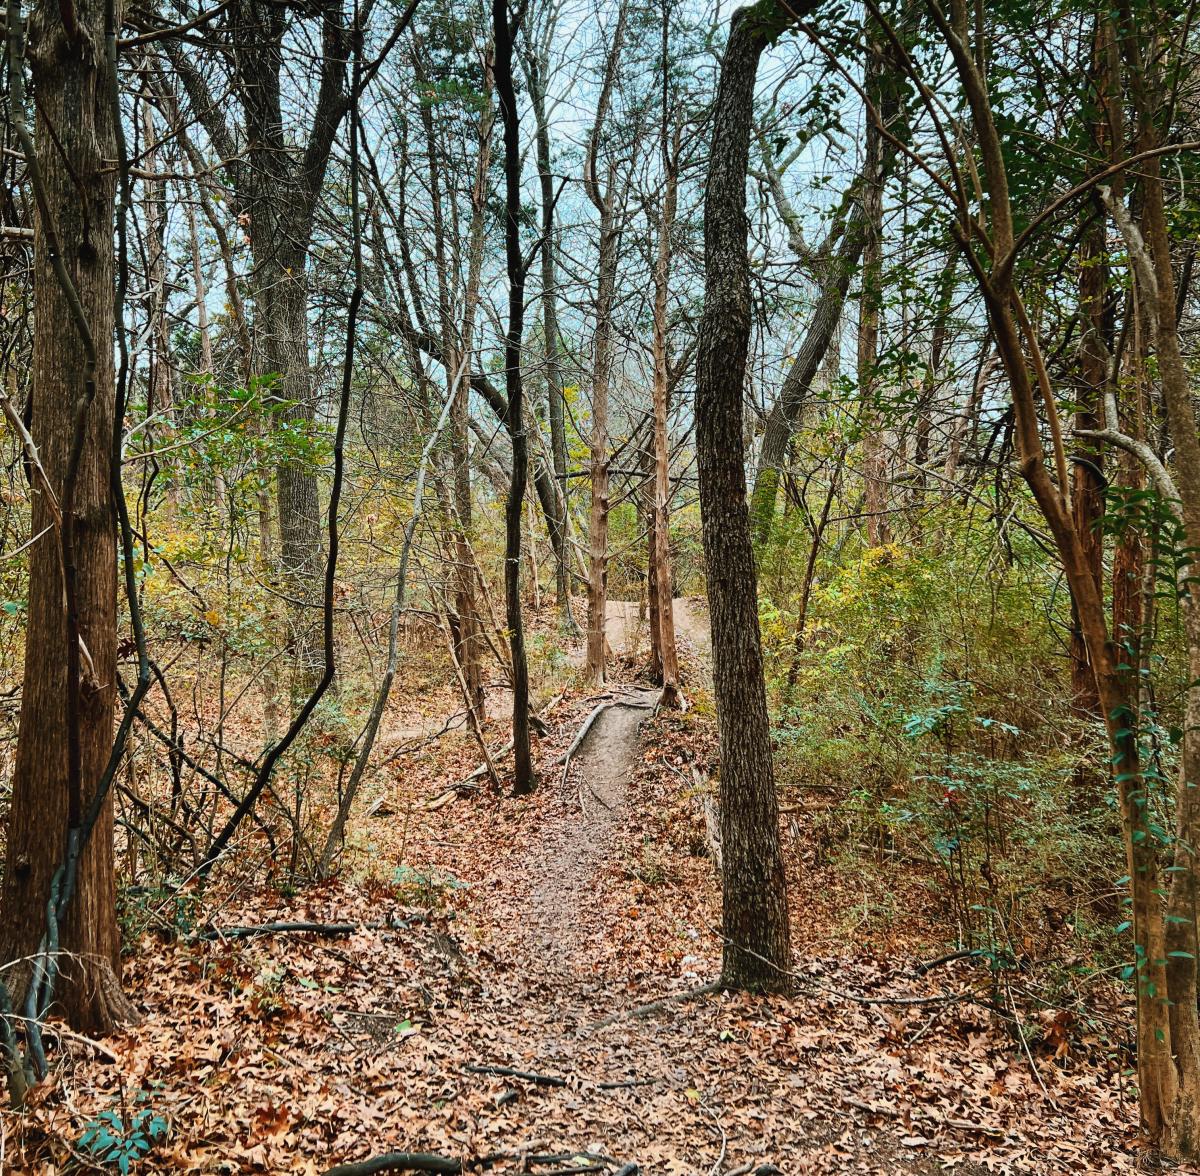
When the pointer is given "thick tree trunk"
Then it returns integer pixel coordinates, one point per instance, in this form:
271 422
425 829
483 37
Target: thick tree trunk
282 302
277 180
76 145
604 201
754 906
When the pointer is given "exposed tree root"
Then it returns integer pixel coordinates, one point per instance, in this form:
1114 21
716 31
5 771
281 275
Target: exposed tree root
657 1006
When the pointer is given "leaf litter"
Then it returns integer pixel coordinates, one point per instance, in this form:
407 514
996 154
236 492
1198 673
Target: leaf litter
520 983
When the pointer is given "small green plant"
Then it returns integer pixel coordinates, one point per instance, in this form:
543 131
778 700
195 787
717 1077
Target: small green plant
424 887
116 1142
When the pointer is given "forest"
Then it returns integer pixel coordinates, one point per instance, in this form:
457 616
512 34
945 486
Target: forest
599 586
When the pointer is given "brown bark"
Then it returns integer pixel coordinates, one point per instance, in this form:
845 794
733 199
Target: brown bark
594 665
603 198
754 915
73 84
662 612
1087 471
1155 279
1017 345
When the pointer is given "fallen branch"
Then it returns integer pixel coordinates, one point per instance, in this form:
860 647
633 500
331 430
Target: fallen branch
924 969
925 1113
525 1075
408 1162
330 930
589 722
580 735
432 1162
555 1080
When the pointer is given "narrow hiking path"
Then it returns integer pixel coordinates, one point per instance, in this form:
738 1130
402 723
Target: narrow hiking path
656 1087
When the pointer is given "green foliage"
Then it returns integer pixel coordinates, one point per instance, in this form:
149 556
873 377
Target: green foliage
116 1140
928 714
429 888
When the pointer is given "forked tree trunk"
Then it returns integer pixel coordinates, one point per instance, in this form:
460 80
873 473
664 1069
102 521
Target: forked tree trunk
754 917
76 145
277 183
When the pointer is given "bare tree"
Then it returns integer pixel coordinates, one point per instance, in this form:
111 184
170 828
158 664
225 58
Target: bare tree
516 265
277 176
603 197
754 919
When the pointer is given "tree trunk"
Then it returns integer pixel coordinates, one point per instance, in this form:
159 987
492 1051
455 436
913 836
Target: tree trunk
76 139
594 669
604 201
785 415
159 378
1155 281
875 457
555 405
524 779
662 613
282 302
754 902
1087 471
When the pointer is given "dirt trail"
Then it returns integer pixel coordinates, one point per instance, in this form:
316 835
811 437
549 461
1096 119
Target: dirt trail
679 1091
571 852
